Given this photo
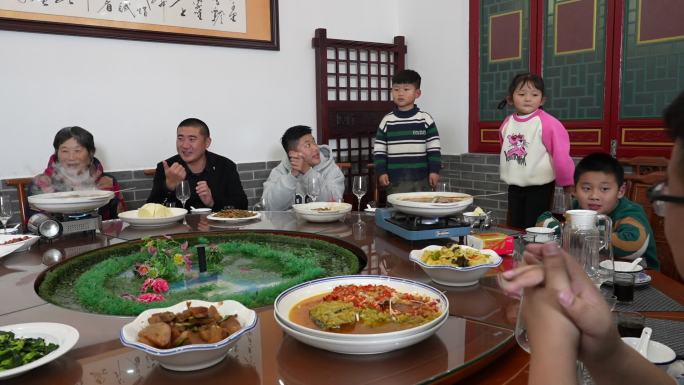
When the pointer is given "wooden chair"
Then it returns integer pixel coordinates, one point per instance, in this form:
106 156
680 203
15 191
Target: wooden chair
636 190
21 184
645 164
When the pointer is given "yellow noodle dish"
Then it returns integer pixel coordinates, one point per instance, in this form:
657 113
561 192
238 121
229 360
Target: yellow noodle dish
456 256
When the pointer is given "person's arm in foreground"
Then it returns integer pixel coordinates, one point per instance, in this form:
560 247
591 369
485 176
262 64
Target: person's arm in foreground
608 359
554 339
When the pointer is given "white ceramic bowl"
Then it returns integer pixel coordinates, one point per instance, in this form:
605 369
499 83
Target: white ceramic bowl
621 266
658 353
308 211
541 234
190 357
427 209
132 218
63 335
289 298
71 202
451 275
23 245
363 346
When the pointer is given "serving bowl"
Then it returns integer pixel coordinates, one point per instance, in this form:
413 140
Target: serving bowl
658 353
289 298
196 356
452 275
71 202
131 217
322 211
473 219
429 209
620 266
360 347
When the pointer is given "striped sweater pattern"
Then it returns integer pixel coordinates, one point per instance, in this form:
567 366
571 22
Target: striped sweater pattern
407 146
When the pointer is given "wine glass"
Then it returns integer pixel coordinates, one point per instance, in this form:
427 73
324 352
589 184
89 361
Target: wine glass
5 211
359 188
313 187
183 192
261 205
521 329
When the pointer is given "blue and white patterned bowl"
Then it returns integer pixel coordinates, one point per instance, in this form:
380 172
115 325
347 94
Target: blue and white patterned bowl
190 357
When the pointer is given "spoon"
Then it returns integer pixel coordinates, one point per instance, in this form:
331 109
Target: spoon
634 264
642 345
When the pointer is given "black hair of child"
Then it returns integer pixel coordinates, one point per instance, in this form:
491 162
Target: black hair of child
600 162
518 81
673 115
291 137
407 77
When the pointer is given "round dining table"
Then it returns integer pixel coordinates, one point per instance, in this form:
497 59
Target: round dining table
475 346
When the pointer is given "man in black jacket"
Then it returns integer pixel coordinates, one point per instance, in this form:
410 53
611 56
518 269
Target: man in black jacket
214 180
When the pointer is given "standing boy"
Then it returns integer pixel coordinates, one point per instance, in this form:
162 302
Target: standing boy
599 186
407 150
287 183
214 180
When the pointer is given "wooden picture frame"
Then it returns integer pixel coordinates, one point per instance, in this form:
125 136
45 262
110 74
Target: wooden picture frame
228 23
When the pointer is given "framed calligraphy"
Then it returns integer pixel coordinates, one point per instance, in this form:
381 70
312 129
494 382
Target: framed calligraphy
230 23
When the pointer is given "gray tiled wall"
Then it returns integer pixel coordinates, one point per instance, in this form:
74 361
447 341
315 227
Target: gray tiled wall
476 174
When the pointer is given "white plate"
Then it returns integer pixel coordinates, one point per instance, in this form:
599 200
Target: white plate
640 279
292 296
71 202
309 211
375 346
452 275
427 209
621 266
18 246
131 217
63 335
190 357
213 217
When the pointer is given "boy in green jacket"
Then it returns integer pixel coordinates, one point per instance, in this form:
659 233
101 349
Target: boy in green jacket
599 186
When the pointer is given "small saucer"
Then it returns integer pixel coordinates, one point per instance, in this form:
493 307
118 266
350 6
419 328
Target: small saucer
640 279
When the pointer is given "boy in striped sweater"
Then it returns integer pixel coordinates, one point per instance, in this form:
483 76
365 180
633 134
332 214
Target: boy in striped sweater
599 186
407 151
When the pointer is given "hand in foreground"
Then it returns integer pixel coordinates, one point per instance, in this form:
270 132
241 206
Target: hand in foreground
204 193
433 178
384 180
582 302
174 174
299 165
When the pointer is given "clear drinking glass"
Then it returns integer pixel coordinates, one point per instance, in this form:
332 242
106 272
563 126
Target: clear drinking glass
562 202
183 192
359 188
5 211
313 187
261 205
442 186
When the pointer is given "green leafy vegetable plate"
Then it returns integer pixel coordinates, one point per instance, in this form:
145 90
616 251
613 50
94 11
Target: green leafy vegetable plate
64 336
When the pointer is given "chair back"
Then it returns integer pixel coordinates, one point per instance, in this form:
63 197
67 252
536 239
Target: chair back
21 184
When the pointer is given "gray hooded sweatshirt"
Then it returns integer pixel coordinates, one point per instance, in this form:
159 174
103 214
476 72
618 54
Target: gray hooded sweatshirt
282 189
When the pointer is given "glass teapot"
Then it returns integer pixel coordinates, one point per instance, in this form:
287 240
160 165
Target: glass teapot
580 224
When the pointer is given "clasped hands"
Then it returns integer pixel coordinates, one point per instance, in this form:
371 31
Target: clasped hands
176 173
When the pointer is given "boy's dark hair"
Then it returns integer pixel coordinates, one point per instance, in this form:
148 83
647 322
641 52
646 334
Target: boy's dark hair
194 122
407 77
518 81
673 116
601 162
291 137
82 136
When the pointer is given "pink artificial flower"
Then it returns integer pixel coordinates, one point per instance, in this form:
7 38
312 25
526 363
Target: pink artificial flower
184 246
142 270
150 297
167 236
160 285
188 262
152 250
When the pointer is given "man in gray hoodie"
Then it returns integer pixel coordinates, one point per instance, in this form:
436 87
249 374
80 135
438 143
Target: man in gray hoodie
287 183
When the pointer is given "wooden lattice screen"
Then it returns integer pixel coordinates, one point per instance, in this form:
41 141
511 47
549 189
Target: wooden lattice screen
353 84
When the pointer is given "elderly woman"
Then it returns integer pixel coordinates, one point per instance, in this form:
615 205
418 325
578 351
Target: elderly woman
567 318
74 166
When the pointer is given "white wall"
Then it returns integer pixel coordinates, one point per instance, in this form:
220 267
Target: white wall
437 40
131 95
